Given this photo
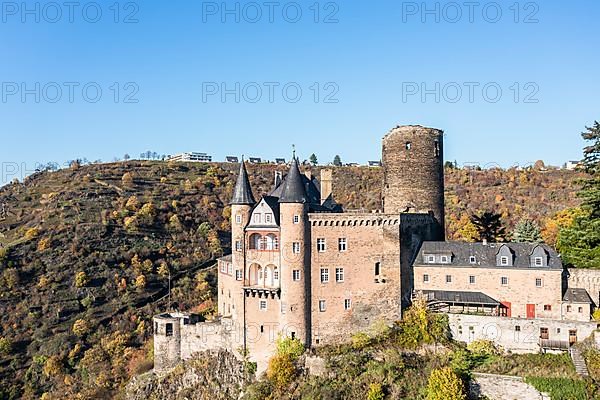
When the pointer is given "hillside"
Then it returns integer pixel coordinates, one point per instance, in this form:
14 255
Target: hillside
86 252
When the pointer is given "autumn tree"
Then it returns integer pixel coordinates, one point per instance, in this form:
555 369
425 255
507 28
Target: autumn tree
579 244
445 384
527 231
489 226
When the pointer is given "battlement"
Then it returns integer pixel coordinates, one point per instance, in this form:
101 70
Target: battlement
350 219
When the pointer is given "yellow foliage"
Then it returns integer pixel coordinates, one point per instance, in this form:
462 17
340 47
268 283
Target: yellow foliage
281 370
81 327
562 219
81 279
445 384
127 179
596 314
163 269
132 204
32 233
43 282
44 244
140 282
53 366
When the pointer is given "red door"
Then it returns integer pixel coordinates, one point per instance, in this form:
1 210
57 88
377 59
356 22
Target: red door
530 310
505 310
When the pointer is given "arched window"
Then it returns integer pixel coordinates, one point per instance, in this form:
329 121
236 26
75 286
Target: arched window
253 275
255 241
271 242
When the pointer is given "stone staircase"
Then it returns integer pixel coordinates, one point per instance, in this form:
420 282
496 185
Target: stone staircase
578 361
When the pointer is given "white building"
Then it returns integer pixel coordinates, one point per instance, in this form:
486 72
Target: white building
190 157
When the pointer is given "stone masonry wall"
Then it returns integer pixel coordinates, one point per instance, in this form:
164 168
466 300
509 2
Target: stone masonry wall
504 331
588 279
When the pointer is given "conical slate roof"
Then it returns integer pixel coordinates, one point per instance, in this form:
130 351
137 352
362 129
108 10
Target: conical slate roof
293 186
242 194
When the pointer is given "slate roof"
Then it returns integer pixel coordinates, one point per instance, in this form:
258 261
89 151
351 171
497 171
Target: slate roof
242 194
293 190
451 296
577 295
485 254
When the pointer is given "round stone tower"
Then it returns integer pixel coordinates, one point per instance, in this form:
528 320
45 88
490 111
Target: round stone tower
295 253
413 165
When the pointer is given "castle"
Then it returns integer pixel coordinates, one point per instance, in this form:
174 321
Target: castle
303 268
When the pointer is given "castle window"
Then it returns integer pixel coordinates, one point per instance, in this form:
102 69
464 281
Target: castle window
539 262
296 247
321 246
268 218
517 328
538 282
257 218
377 268
580 309
169 329
444 259
448 278
407 145
547 307
342 244
347 304
569 308
322 305
426 278
472 260
238 274
504 280
472 279
262 305
430 259
271 242
255 241
339 274
324 275
238 219
296 275
504 261
296 219
238 245
262 329
223 267
276 276
230 269
437 148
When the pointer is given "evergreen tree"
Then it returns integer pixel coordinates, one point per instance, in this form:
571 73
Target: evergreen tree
313 159
337 161
579 244
527 231
489 226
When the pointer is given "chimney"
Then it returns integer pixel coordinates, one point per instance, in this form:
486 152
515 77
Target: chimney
326 184
278 177
485 242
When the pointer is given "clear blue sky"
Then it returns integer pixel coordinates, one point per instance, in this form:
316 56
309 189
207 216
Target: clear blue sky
373 57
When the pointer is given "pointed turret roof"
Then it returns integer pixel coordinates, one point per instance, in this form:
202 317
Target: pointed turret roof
242 194
293 186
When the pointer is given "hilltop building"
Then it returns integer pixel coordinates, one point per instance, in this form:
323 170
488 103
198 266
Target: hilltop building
302 267
190 157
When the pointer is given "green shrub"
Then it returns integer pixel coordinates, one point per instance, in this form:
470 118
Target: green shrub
5 346
375 392
484 348
290 347
445 384
81 279
360 340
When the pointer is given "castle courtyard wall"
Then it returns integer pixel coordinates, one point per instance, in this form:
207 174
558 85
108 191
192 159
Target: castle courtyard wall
588 279
504 331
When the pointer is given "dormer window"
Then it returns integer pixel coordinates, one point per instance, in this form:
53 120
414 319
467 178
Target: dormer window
472 260
504 257
257 218
430 259
444 259
539 262
504 261
268 218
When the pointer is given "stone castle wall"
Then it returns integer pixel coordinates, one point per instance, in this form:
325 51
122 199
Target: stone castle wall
515 334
